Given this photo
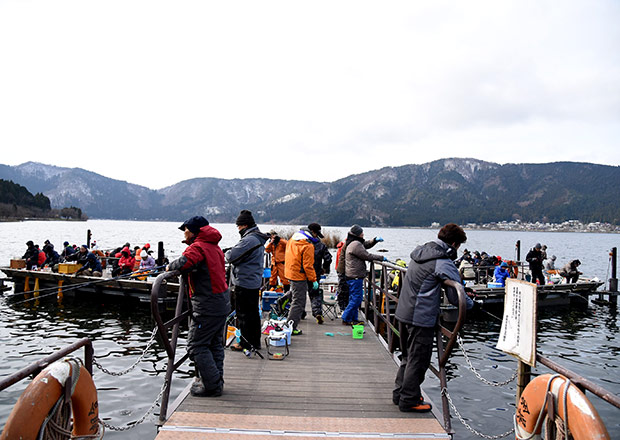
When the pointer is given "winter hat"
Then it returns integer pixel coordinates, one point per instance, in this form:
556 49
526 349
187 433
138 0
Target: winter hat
144 254
553 257
29 243
65 244
316 228
194 224
356 230
538 246
245 218
147 246
84 246
504 264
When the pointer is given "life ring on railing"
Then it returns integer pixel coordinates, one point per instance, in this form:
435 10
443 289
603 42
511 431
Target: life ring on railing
572 406
44 393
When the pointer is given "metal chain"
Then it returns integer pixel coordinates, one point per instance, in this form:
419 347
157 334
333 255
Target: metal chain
444 391
473 369
121 373
135 423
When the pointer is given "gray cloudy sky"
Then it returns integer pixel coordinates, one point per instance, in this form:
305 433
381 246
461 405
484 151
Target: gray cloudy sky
154 92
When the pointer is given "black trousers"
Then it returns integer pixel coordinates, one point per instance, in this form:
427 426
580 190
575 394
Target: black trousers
248 319
537 274
417 347
205 345
343 292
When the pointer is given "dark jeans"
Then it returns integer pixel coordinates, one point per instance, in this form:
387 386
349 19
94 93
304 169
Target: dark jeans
248 319
343 292
538 275
205 345
417 347
316 300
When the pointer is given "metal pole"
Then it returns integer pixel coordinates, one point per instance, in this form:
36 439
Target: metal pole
613 281
518 249
160 253
88 235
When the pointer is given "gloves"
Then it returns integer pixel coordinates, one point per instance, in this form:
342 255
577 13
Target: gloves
315 286
378 239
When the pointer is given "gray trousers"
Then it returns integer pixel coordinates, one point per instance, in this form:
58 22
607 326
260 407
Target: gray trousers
299 290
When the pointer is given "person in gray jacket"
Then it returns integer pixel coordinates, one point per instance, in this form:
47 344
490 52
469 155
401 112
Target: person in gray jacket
418 312
355 272
246 258
343 287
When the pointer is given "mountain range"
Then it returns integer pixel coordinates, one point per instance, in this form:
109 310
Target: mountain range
447 190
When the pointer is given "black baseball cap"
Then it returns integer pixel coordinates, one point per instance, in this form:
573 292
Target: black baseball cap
194 224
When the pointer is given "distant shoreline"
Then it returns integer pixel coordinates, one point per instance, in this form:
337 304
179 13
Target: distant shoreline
47 219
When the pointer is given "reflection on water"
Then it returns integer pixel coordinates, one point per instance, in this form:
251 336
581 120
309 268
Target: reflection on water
584 340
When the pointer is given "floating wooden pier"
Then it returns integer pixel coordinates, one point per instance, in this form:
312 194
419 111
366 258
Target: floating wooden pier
328 387
34 283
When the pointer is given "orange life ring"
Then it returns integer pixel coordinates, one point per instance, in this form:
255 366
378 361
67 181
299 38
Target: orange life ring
39 398
571 405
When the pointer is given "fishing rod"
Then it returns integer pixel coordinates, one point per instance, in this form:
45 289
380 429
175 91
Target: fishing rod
80 285
252 349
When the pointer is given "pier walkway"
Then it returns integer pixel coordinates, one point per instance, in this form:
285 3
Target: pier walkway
328 387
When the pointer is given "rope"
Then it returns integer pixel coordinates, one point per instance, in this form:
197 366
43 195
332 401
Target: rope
127 370
473 369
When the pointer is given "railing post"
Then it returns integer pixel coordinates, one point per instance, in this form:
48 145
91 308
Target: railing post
524 373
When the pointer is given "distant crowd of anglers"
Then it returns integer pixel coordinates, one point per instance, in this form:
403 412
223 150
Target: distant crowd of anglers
481 267
122 260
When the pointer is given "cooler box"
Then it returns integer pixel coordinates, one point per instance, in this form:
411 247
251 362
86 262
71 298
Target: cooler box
279 339
18 264
492 285
68 267
269 298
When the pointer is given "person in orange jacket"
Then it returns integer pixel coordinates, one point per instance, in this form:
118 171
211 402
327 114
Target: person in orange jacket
277 248
299 269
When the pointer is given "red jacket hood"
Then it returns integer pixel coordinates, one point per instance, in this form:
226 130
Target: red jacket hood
208 234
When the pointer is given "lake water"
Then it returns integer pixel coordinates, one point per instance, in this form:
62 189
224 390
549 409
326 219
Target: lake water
584 340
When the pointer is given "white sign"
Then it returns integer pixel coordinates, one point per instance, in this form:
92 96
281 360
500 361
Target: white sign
518 333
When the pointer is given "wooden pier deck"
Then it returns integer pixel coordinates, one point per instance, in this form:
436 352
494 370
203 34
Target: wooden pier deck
328 387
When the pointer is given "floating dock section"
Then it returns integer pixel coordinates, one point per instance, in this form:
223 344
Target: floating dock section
328 387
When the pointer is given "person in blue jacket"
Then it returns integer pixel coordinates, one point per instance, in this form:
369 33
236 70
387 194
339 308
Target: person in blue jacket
418 312
91 266
501 273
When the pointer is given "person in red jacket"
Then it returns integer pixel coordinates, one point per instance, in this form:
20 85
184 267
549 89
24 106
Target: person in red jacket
125 264
202 267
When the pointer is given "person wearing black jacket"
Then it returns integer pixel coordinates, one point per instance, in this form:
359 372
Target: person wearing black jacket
535 258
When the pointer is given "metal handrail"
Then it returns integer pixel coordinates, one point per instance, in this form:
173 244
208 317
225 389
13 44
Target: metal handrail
170 343
381 316
36 367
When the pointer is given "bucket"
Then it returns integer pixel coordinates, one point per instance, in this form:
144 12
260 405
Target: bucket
358 331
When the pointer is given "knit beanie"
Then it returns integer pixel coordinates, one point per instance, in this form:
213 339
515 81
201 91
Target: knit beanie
356 230
245 218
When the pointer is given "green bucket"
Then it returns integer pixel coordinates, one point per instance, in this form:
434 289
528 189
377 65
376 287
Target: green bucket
358 331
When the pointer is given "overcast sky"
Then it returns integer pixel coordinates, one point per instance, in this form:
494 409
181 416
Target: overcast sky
157 92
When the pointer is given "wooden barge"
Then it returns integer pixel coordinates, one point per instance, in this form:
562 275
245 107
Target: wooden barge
41 284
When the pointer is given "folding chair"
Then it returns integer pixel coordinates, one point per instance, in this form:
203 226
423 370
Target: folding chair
330 307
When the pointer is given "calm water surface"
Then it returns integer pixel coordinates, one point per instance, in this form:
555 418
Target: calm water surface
584 340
